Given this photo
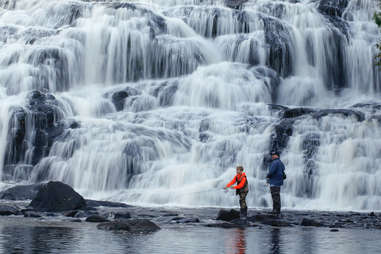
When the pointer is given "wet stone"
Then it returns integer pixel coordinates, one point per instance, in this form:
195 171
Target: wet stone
132 226
119 216
227 215
57 197
31 214
184 220
6 210
70 213
311 222
96 218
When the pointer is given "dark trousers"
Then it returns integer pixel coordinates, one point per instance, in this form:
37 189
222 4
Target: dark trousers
275 194
242 200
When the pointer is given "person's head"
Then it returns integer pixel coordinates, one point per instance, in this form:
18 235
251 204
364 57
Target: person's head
239 169
274 155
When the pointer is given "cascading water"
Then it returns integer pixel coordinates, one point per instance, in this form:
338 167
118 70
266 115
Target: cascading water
156 102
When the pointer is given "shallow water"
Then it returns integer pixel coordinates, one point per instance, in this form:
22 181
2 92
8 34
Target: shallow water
27 236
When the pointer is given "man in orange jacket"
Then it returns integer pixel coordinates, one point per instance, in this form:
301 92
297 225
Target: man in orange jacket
242 188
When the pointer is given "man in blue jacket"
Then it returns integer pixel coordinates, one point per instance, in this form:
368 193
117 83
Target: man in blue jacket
275 179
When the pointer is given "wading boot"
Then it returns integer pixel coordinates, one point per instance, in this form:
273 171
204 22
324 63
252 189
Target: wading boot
243 214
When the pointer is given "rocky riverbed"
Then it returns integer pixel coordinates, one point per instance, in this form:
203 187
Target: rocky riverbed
55 201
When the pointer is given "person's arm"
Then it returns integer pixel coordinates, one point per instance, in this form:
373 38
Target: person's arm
273 169
231 182
241 184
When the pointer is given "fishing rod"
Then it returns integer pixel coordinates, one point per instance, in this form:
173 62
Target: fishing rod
204 191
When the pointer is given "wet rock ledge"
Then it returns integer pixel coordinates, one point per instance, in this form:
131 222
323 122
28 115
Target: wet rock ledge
59 201
56 199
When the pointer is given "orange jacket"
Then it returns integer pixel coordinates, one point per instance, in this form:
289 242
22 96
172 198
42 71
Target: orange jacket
238 178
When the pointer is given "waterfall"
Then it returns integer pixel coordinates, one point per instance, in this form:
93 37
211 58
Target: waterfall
155 102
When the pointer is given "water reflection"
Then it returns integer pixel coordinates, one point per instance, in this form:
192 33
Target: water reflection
21 239
275 241
85 238
239 242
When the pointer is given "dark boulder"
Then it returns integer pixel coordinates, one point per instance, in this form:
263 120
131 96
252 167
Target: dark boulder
31 214
270 220
57 197
227 215
281 135
235 4
311 223
119 216
118 98
278 37
6 210
372 107
271 79
165 92
157 23
344 112
333 7
21 192
32 131
71 213
185 220
311 144
296 112
59 68
17 172
96 218
224 225
132 226
114 226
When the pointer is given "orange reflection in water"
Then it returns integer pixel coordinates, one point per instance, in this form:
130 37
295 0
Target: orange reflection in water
238 242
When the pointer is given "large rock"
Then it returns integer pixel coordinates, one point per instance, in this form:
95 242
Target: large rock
96 218
120 215
57 197
6 210
21 192
278 38
311 222
359 116
281 135
296 112
32 131
118 98
185 220
333 7
227 215
132 226
270 220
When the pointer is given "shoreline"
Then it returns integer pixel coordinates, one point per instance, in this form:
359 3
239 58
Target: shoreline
166 216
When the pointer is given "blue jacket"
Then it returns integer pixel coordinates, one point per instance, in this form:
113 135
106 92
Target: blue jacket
275 174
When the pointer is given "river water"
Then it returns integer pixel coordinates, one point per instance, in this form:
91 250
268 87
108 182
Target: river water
23 236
